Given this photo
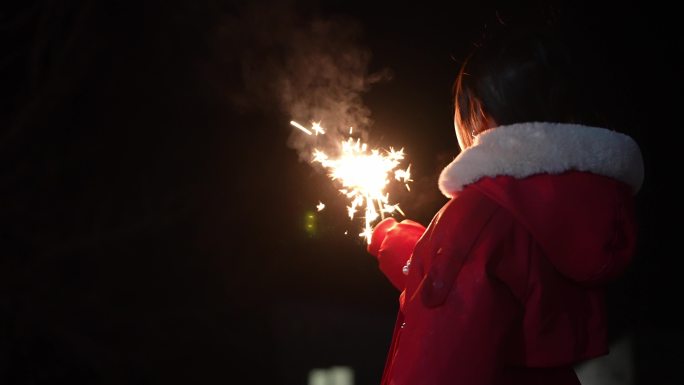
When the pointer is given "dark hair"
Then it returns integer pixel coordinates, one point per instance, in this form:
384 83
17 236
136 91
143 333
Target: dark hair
519 74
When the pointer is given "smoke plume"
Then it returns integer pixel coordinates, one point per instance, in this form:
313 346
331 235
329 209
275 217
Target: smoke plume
313 68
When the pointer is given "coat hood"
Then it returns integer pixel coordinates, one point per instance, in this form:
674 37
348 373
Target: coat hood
570 185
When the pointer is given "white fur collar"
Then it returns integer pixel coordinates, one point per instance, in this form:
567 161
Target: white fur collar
524 149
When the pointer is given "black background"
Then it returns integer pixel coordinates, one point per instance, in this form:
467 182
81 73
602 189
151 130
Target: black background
153 215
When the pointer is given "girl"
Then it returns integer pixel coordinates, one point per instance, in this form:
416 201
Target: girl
505 286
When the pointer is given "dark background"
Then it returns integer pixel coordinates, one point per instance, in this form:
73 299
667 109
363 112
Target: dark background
153 216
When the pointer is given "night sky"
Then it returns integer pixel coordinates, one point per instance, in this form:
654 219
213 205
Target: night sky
154 199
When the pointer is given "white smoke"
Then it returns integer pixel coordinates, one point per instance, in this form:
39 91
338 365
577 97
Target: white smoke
312 68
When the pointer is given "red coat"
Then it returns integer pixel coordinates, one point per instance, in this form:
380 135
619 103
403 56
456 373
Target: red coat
505 286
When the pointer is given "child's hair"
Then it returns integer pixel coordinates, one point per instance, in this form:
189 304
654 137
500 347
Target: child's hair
519 74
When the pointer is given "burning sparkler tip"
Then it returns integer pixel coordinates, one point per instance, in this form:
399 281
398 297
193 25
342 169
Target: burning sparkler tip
363 173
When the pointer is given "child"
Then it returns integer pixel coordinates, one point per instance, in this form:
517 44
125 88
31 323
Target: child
505 286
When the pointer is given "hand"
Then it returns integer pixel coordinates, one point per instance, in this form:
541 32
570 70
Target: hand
388 225
379 234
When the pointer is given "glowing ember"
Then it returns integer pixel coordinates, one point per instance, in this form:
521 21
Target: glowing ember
364 175
320 206
316 127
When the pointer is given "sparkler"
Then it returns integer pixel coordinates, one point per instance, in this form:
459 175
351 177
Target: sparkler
364 174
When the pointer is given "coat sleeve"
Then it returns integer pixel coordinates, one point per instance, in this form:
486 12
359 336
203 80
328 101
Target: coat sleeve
459 318
469 340
392 244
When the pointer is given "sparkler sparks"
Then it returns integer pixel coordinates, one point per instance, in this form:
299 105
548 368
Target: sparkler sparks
363 174
292 122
